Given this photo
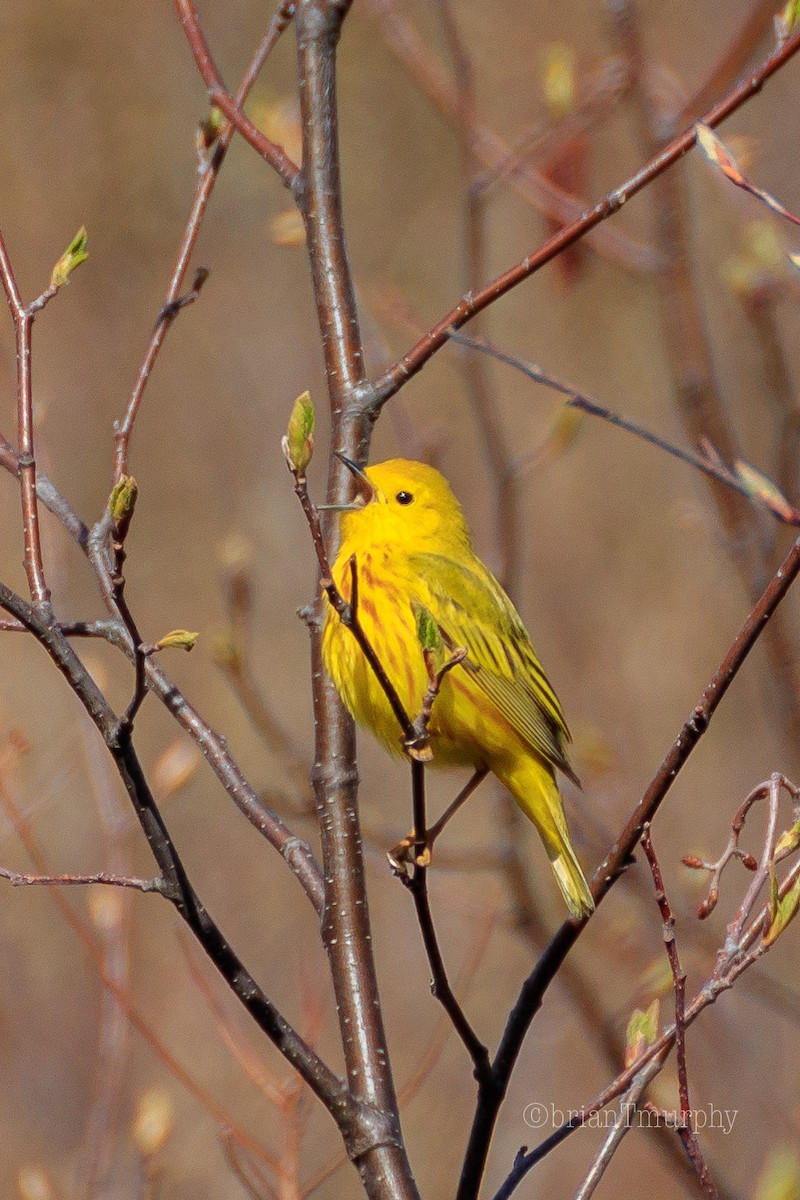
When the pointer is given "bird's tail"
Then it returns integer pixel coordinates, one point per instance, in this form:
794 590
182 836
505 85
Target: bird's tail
537 794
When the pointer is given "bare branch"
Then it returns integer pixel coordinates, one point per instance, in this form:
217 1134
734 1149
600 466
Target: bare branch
623 1123
205 185
471 303
738 477
346 926
220 97
687 1130
18 879
178 889
23 319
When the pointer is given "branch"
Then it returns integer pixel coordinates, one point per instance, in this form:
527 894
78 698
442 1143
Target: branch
732 963
739 477
697 393
23 319
293 849
174 302
114 987
627 1105
616 862
685 1126
88 629
346 929
177 887
471 303
17 879
219 96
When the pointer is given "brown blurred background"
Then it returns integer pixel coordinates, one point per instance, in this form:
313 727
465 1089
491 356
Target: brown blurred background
629 589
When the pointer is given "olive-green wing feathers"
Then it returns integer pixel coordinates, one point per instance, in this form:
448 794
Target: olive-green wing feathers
474 612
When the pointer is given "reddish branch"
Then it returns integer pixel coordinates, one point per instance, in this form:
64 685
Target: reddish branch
208 176
477 301
23 317
220 97
695 382
685 1126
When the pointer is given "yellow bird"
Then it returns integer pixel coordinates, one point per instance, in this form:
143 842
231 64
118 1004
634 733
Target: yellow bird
496 710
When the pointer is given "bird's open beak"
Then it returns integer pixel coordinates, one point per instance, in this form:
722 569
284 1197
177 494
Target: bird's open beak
364 494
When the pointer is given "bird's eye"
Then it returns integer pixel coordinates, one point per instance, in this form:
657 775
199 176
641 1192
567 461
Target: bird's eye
404 498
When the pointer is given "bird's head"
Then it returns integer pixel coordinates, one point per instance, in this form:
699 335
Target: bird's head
403 501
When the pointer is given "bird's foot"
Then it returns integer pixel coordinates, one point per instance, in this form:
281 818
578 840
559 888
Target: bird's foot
410 852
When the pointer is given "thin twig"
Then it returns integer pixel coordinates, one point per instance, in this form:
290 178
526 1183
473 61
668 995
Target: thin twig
419 746
219 97
76 629
293 849
695 383
763 870
23 319
20 879
417 884
627 1107
686 1127
205 186
731 965
708 462
470 304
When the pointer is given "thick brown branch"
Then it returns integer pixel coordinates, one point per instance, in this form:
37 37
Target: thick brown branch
346 930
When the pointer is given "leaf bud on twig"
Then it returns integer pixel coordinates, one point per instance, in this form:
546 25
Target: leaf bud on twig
642 1031
298 443
177 639
73 256
428 633
121 504
784 911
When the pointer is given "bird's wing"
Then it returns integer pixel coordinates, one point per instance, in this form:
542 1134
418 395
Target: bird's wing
473 611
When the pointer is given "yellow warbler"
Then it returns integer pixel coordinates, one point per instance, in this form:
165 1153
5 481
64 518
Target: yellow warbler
496 710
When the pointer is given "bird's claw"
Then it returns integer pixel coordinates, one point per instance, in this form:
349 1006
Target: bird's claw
409 852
